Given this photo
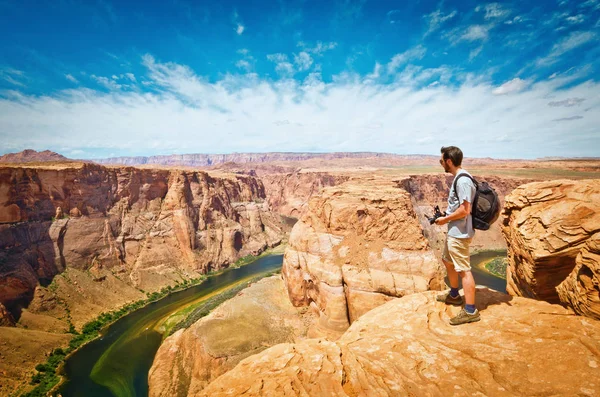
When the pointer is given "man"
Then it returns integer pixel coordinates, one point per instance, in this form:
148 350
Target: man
456 256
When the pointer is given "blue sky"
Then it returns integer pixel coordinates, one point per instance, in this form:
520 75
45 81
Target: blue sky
94 79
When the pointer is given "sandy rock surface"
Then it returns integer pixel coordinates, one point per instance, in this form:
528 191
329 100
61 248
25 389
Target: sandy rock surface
257 318
406 347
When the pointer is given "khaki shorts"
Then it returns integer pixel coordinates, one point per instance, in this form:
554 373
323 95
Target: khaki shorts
456 251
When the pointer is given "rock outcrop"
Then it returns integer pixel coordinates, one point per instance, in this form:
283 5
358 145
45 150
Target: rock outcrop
406 347
142 228
257 318
553 232
358 246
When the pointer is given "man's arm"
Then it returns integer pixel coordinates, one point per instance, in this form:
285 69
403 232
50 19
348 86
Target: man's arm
462 211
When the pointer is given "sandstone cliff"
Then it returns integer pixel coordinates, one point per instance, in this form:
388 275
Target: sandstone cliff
553 229
259 317
115 232
358 246
521 347
289 193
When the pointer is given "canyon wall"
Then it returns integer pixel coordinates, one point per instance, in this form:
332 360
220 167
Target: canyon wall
136 230
358 246
288 193
553 233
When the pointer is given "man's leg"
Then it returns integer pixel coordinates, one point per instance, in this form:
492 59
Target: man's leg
468 284
452 274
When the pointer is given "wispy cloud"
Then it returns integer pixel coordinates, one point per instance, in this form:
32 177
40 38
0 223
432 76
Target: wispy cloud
436 19
574 40
244 113
576 19
111 84
569 102
318 49
71 78
398 60
510 87
239 27
493 11
13 76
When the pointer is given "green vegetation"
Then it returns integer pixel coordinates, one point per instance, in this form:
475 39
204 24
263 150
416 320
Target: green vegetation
46 377
497 267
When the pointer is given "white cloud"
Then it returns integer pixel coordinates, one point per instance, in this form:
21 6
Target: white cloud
510 87
303 61
188 113
106 82
71 78
494 10
437 19
576 19
282 63
240 29
574 40
415 53
13 76
243 64
473 54
475 32
131 77
319 48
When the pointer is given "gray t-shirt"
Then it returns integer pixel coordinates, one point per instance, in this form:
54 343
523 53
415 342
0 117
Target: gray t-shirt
461 228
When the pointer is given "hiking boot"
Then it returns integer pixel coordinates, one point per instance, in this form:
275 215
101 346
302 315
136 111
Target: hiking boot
449 299
463 317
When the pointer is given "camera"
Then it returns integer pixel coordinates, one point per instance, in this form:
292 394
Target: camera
437 214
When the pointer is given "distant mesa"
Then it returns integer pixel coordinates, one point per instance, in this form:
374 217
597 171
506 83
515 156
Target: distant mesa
32 156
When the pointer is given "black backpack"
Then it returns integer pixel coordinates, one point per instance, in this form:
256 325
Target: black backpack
486 205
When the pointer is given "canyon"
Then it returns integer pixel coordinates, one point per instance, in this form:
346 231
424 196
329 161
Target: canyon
80 238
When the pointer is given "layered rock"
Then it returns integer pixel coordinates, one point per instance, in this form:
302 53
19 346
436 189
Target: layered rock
406 347
358 246
259 317
142 228
431 190
552 232
289 193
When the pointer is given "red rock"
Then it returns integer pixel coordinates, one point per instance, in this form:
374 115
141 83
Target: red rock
358 246
551 231
406 347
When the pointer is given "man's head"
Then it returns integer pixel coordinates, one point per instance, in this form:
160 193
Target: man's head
451 158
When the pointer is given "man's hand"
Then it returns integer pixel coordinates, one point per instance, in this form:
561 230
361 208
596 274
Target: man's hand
441 220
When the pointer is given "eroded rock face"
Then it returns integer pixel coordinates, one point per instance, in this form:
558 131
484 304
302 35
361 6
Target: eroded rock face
258 317
358 246
406 347
149 228
552 232
581 289
289 193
